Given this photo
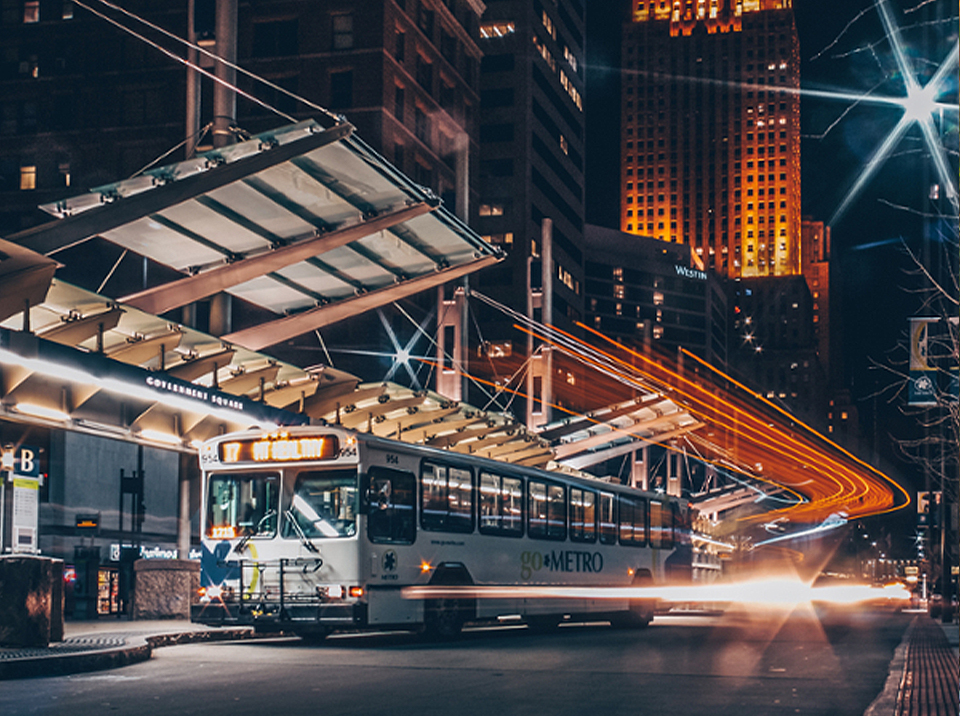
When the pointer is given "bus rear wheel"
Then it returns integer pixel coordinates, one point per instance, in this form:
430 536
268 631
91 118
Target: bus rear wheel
443 619
638 616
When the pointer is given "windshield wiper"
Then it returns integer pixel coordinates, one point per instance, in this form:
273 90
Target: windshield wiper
299 530
256 530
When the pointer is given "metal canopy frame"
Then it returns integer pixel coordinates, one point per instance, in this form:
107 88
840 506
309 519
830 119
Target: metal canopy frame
307 222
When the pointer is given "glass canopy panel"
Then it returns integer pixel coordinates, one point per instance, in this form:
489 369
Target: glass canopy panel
149 238
197 219
397 252
316 280
274 218
272 294
290 187
357 267
444 239
339 167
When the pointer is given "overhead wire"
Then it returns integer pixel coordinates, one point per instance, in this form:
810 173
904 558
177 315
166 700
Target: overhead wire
198 135
212 55
185 62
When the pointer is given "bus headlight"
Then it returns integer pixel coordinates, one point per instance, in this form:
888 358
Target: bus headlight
216 592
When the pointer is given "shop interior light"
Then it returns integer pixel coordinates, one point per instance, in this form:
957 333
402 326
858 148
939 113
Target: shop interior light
41 411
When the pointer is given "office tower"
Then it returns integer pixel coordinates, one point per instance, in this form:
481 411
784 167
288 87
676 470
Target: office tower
531 183
710 145
643 291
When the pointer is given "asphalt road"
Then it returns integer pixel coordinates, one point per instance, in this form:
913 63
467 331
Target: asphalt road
738 665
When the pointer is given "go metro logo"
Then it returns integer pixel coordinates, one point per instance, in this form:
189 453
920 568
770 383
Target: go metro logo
564 560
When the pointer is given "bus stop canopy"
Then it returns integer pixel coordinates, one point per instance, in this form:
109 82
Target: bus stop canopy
309 223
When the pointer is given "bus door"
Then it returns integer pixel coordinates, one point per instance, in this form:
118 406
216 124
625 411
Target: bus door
391 509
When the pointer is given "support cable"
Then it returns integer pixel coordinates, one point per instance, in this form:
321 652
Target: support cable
202 50
111 272
187 63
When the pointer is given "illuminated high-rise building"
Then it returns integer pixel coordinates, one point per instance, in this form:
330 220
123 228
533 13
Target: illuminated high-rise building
710 145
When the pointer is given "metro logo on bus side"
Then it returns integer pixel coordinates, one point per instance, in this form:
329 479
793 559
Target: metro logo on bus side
563 560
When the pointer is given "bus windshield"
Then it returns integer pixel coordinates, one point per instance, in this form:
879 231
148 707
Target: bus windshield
242 505
324 504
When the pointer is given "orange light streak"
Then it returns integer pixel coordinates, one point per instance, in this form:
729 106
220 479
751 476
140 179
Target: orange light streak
834 484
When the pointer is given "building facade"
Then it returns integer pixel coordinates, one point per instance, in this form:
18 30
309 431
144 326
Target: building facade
531 174
648 292
710 145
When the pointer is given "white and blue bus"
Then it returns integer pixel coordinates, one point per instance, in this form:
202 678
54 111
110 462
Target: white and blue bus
315 529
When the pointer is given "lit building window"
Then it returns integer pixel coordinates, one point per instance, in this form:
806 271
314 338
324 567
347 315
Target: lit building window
497 29
545 53
548 23
28 178
31 11
491 210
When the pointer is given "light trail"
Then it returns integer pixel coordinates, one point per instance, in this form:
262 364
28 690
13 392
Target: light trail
771 593
767 447
849 485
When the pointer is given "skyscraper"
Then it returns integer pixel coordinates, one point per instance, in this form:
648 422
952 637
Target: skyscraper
710 145
531 184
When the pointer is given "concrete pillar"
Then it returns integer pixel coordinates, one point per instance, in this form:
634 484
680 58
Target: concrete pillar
546 281
639 477
165 588
221 314
450 339
183 512
192 118
224 96
674 470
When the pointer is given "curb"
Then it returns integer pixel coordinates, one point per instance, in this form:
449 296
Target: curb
136 649
886 702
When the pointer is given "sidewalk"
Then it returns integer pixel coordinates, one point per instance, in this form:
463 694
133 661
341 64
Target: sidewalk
107 643
924 677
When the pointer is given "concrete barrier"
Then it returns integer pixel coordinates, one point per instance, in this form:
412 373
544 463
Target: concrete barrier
31 600
164 588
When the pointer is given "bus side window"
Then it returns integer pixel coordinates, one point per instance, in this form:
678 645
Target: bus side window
661 525
608 518
501 505
583 515
391 506
447 498
633 521
546 510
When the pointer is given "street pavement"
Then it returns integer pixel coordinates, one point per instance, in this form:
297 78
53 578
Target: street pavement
922 679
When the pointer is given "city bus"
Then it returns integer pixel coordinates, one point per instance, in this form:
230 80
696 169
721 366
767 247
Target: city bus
314 529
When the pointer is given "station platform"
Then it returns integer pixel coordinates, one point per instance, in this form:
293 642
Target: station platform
107 643
924 677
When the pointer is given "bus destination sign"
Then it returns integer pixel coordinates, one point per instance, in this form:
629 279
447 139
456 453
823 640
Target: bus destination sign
280 448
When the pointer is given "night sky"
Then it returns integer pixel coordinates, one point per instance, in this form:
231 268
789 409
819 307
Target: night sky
843 48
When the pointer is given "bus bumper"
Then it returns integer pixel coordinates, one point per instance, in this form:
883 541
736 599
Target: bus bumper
267 617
